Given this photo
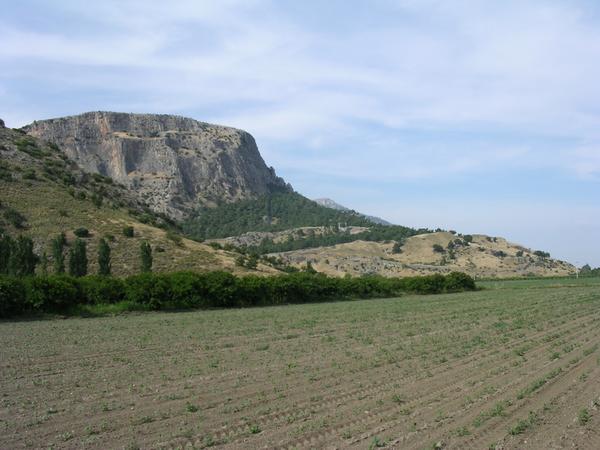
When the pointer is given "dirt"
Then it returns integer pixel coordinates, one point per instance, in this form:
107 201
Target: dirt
459 370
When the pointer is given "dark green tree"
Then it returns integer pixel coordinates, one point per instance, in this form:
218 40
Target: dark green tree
252 261
58 245
103 258
146 257
6 248
22 260
78 259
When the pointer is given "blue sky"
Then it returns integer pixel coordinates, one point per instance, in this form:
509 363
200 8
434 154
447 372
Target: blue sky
482 117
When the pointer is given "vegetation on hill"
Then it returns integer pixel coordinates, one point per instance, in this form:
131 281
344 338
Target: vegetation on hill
43 195
376 233
587 271
274 212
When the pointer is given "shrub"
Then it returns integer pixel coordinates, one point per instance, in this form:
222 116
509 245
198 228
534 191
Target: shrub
14 217
458 281
437 248
101 289
81 232
12 296
176 238
151 290
54 293
128 231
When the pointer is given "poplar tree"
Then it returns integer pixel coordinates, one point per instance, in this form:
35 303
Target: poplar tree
146 257
78 259
104 265
58 245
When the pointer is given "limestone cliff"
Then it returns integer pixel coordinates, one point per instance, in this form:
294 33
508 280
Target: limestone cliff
173 163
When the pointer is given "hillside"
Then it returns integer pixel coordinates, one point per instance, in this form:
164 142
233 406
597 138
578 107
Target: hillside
166 175
43 193
275 212
172 163
478 255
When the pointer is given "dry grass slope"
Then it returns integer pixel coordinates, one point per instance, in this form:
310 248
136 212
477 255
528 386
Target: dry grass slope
484 256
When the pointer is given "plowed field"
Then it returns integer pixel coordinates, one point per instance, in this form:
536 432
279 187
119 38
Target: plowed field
514 366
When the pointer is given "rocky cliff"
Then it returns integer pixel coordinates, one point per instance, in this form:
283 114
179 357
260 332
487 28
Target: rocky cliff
173 163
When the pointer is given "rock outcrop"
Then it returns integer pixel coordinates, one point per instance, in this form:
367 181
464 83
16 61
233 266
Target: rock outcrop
173 163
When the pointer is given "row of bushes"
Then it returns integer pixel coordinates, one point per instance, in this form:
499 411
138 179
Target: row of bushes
60 293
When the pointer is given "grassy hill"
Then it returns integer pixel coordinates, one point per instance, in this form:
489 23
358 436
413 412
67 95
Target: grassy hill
43 193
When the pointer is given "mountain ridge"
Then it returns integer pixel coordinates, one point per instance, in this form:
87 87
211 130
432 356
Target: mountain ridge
173 162
329 203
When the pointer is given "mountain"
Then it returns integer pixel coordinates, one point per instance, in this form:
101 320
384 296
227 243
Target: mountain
328 203
172 163
172 178
44 193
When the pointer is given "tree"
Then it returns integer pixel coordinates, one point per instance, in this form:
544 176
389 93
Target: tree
58 245
104 265
438 248
6 247
146 257
252 261
44 264
78 259
22 260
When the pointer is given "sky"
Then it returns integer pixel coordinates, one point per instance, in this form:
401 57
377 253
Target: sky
477 116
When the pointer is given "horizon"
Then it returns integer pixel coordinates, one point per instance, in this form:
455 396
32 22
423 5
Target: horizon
479 117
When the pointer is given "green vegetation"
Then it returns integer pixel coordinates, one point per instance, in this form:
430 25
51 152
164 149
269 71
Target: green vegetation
81 232
78 259
146 257
16 256
128 231
524 424
275 212
103 258
587 271
58 245
59 293
333 236
583 416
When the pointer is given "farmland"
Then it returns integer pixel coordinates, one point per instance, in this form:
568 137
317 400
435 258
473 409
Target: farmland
516 365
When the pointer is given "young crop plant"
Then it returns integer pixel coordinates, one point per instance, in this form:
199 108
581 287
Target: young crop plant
583 416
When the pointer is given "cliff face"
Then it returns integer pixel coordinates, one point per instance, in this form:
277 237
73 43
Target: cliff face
173 163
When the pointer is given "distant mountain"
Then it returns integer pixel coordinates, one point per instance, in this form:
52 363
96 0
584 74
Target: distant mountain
328 203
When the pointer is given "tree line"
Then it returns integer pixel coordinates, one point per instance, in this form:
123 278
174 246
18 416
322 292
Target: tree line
149 291
18 258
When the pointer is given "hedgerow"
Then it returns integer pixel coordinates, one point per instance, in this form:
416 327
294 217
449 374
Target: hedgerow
60 293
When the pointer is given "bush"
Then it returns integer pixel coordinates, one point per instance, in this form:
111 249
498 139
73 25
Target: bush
54 293
14 217
128 231
458 282
81 232
12 296
153 291
437 248
99 289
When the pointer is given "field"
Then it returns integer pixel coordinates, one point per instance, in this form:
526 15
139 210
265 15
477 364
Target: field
516 365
